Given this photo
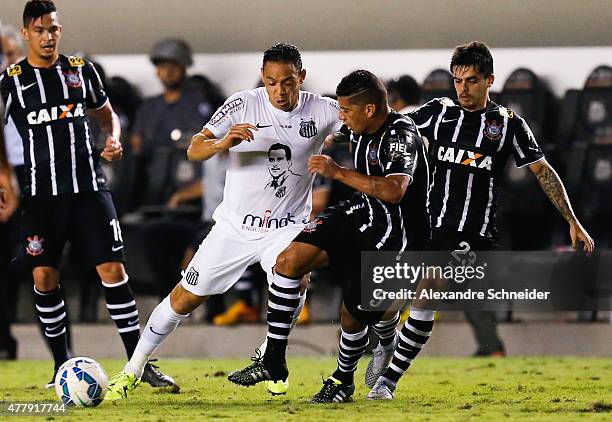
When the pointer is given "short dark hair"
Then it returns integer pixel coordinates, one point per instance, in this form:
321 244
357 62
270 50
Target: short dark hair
34 9
475 54
363 87
407 89
283 53
283 147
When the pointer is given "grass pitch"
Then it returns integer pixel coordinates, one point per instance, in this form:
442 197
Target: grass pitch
436 389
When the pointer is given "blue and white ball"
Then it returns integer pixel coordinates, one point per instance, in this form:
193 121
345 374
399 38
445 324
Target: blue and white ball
81 382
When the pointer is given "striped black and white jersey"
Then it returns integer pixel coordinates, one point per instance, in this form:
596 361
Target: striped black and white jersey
395 148
48 107
468 152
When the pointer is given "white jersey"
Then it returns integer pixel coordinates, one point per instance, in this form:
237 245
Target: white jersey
267 184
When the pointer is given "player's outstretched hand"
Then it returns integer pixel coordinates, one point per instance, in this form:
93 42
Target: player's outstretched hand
238 133
579 234
323 165
112 150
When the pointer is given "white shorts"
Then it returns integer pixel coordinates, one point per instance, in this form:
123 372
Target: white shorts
224 255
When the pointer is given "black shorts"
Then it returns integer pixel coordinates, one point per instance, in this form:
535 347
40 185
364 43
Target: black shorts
455 241
463 250
87 220
337 233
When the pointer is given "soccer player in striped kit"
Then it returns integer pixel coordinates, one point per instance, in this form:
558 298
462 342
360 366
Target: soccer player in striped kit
387 213
470 140
48 96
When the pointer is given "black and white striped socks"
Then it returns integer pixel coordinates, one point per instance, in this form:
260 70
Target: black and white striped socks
52 315
351 348
122 309
386 330
283 299
412 338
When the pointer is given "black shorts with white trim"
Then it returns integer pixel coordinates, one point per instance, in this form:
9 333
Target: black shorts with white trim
87 220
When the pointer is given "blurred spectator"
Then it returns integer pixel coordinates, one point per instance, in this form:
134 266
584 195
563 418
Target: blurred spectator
177 113
166 121
13 47
11 165
404 94
8 205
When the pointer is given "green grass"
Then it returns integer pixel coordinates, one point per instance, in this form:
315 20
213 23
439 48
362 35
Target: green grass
436 389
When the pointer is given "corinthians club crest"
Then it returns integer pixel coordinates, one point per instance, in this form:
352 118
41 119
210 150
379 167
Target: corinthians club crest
308 129
35 245
493 130
72 79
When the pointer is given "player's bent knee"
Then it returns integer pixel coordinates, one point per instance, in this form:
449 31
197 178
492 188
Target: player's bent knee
298 259
111 272
288 263
348 322
183 301
46 279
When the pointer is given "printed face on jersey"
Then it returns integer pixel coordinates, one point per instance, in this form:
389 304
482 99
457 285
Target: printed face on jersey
354 115
283 82
472 87
43 35
278 161
279 167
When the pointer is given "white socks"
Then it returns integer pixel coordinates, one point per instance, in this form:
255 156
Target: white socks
161 323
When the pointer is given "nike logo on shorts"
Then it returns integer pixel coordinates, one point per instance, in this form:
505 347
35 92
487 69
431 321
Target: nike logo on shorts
260 126
116 248
448 120
24 87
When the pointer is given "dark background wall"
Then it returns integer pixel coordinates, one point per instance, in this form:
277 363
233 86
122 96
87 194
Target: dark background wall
213 26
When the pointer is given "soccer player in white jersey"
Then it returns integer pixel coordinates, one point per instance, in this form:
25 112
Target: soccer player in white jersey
257 218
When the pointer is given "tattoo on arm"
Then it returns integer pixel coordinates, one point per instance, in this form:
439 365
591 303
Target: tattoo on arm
554 189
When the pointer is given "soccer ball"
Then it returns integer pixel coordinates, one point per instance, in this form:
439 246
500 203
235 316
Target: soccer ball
81 382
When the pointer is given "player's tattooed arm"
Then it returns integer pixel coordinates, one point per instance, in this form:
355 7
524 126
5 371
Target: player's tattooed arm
553 187
205 145
389 189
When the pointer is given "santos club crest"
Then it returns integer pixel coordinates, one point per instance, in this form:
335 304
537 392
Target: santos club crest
308 129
